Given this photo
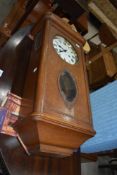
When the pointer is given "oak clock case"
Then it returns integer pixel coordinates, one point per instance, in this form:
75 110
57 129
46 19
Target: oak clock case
61 117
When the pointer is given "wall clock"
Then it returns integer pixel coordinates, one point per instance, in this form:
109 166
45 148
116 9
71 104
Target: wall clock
61 120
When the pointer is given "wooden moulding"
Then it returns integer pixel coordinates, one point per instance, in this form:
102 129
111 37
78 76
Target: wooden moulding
58 139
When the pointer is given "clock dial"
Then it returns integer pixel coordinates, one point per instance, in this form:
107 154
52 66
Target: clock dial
65 50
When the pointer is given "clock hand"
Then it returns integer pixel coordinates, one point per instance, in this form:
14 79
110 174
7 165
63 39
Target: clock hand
60 46
63 50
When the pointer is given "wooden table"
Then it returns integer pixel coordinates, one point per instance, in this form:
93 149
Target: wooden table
19 163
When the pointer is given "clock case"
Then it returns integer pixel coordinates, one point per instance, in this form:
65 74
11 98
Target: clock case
56 125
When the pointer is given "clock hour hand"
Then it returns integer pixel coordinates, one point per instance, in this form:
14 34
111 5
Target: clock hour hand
63 50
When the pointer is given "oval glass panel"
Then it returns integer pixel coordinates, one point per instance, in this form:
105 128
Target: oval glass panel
67 86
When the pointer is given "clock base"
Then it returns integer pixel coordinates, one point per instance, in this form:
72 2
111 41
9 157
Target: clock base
40 134
54 150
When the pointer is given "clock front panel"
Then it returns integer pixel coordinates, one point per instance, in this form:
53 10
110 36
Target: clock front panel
63 91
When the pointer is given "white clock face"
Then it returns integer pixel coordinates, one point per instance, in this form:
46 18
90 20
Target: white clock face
65 50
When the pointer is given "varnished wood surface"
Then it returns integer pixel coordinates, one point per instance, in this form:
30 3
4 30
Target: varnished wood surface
19 163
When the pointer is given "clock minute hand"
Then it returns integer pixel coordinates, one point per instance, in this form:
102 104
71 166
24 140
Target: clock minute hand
63 50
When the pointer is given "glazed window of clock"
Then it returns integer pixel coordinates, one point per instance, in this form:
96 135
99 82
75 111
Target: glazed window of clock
65 50
67 86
